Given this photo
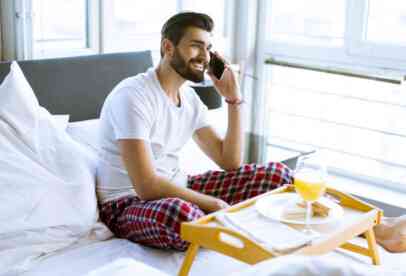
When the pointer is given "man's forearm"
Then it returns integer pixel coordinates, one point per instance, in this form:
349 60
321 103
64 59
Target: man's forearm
233 141
160 187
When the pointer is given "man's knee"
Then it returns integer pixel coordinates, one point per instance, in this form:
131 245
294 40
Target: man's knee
280 173
158 223
177 210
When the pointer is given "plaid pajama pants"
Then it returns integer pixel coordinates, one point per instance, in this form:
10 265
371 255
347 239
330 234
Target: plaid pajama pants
156 223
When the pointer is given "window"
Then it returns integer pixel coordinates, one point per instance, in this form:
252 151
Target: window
390 18
57 28
357 122
380 30
132 25
298 22
129 25
62 28
365 33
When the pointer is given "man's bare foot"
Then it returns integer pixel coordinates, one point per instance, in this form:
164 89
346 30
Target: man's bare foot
391 234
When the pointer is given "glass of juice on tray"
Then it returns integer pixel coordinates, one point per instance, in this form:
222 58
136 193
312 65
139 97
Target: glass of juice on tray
310 178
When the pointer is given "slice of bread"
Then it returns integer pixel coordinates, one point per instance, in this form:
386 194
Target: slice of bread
318 209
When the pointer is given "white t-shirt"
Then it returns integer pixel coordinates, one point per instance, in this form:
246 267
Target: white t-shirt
138 108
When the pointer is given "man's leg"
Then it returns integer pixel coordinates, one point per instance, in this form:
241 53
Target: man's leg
153 223
391 234
246 182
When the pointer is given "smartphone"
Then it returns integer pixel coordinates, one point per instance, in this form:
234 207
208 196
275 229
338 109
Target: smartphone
216 65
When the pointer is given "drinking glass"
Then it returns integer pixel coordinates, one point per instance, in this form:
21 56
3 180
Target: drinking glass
310 178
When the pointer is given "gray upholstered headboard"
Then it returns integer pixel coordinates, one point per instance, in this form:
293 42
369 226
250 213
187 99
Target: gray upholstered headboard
79 85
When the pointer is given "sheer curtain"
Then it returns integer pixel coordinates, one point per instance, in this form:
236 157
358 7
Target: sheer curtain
7 31
1 37
245 50
249 54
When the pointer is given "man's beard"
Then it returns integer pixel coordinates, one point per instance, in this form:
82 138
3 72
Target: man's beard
181 67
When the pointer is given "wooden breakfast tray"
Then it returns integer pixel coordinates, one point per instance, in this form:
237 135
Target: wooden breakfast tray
359 219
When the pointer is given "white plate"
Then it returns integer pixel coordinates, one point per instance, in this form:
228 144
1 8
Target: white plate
272 207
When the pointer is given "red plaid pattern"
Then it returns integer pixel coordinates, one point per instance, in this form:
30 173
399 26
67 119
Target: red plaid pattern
157 223
154 223
246 182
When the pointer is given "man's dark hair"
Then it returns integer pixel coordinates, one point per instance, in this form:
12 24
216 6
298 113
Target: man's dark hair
175 27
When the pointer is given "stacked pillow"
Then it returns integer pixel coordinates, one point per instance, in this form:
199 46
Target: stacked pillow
86 133
47 180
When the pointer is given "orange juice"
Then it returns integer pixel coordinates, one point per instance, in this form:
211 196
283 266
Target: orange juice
309 185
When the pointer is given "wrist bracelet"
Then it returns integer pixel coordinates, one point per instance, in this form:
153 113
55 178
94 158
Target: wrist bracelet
235 101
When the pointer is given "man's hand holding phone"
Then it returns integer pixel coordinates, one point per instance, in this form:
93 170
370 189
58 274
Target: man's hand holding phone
223 77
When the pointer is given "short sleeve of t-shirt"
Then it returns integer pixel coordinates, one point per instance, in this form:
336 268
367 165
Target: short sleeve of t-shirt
131 114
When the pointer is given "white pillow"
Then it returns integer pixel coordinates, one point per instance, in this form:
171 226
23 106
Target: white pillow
86 132
47 180
19 106
61 120
44 160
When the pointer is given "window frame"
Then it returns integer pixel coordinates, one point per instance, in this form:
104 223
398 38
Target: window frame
358 57
24 33
99 30
367 56
359 47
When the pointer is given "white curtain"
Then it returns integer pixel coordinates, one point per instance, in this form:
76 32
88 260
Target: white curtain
7 31
248 43
1 37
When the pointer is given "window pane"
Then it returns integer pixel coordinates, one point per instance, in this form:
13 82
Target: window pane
387 22
136 25
59 24
135 29
357 122
135 17
316 22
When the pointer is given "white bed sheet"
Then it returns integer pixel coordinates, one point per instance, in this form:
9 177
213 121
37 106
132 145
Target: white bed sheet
88 259
102 256
314 266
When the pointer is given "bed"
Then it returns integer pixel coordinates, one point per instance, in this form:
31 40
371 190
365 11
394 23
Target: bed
48 212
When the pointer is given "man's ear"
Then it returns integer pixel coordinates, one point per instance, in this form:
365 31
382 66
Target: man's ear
167 47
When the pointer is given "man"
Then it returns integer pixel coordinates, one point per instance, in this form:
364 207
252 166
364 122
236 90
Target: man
144 196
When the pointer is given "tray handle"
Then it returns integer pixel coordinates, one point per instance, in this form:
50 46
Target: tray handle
225 241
